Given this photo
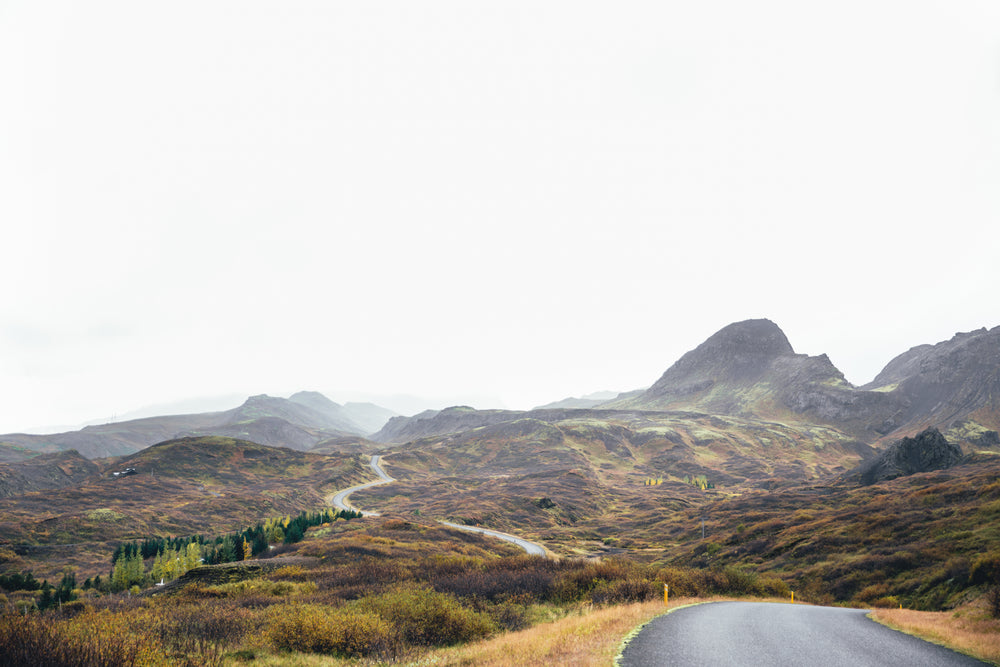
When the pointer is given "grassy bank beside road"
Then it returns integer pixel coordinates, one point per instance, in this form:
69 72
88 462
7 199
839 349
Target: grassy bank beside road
589 636
968 629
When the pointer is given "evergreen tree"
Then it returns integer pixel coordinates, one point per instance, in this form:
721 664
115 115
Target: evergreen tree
47 599
64 593
227 550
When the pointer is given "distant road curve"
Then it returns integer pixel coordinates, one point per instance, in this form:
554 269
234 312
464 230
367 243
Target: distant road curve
723 634
339 500
531 548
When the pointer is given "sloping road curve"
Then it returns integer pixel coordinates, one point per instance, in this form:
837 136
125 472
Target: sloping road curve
339 500
530 547
763 634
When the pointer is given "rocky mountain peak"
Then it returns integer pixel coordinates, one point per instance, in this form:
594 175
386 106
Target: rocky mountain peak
740 352
751 337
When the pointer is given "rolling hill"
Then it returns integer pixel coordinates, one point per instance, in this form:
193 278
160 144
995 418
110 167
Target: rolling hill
180 487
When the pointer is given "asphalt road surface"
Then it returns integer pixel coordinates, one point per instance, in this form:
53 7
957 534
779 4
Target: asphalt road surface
530 547
339 500
761 634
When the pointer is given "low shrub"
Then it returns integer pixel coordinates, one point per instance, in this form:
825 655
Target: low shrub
91 639
205 630
508 615
425 617
341 632
986 569
682 581
624 590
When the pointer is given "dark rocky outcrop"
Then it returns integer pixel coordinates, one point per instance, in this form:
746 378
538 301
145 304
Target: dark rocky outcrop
928 450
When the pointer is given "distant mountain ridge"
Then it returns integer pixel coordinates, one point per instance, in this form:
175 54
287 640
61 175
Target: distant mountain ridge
749 369
298 422
589 401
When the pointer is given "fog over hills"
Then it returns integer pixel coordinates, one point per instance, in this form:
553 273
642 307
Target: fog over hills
747 369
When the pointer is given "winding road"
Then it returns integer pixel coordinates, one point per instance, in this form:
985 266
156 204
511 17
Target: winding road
339 500
724 634
531 548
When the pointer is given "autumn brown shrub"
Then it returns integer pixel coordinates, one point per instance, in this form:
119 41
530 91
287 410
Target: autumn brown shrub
497 584
624 590
367 575
682 581
320 629
443 566
993 601
887 602
91 639
743 582
205 630
425 617
508 615
986 569
873 592
292 573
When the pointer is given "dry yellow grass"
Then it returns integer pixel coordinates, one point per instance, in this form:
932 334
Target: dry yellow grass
593 636
968 629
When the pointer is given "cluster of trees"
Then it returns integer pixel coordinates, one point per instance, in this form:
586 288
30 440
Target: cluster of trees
700 481
19 581
50 596
65 592
173 556
653 482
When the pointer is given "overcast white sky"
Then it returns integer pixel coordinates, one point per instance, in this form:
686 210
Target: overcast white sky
523 200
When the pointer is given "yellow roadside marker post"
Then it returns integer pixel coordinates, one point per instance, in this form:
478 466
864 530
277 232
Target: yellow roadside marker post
793 597
666 595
